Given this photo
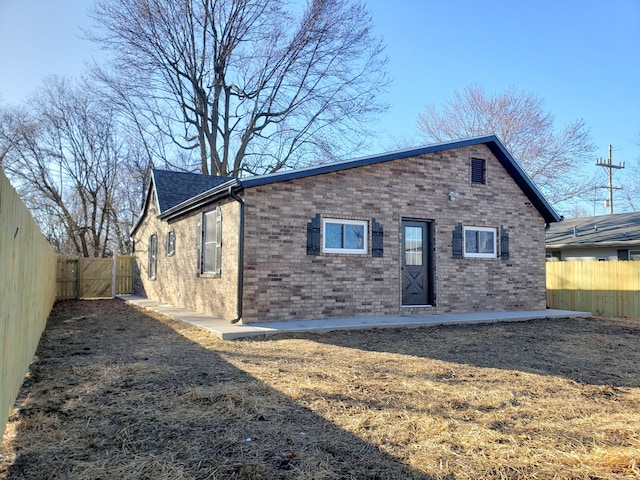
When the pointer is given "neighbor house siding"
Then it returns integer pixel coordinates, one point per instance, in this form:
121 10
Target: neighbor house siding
282 282
178 281
593 254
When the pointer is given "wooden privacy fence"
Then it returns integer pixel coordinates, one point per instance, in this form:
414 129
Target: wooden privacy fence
80 277
603 288
27 291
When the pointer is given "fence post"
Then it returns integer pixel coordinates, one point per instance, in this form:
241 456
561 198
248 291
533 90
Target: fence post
114 275
80 277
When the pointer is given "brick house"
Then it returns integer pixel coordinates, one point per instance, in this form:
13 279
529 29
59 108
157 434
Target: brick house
452 227
590 239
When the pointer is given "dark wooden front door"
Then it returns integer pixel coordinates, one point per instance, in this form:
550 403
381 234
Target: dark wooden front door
416 259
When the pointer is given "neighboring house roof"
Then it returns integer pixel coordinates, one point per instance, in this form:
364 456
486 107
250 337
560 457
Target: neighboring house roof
225 185
621 229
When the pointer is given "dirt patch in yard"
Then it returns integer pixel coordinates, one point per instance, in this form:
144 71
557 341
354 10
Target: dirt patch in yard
117 392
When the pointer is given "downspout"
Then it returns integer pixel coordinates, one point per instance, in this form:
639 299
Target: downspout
548 224
240 201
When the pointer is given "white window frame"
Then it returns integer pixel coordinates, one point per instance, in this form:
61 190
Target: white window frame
211 248
352 251
153 257
170 243
494 254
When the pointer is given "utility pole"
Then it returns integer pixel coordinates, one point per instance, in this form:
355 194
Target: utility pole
610 167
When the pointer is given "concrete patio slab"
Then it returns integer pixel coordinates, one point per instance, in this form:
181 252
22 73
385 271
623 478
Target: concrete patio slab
228 331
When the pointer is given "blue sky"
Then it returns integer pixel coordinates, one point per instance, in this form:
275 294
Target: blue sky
582 57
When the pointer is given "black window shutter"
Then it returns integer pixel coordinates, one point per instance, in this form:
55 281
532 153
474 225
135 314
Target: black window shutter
168 243
153 255
623 254
199 235
504 244
457 241
313 236
377 239
218 267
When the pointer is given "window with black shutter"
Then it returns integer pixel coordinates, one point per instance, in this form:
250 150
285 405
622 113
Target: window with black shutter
623 254
345 236
153 256
480 242
211 243
478 171
170 245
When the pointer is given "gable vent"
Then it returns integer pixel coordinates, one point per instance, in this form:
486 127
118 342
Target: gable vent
478 171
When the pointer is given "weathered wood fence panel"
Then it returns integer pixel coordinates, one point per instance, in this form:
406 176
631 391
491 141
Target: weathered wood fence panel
124 270
27 292
80 277
603 288
95 277
67 278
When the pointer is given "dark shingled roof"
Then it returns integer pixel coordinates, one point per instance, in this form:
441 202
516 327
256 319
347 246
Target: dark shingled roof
179 193
603 230
173 188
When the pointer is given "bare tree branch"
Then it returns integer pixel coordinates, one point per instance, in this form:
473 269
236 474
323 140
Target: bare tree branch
67 158
242 82
553 159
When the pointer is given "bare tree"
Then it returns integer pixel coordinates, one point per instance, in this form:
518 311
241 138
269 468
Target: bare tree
246 85
630 192
553 159
65 157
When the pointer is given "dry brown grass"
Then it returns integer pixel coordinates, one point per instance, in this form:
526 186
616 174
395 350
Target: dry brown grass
120 393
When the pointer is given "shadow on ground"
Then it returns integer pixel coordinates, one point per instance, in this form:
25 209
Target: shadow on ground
116 393
597 351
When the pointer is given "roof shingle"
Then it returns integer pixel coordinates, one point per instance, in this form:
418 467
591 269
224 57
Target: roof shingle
173 188
620 228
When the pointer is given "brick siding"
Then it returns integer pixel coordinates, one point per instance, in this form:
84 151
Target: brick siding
282 282
177 280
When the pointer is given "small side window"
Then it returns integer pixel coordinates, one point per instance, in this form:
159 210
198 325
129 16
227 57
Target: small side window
171 243
212 242
480 242
153 256
478 171
554 256
345 236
